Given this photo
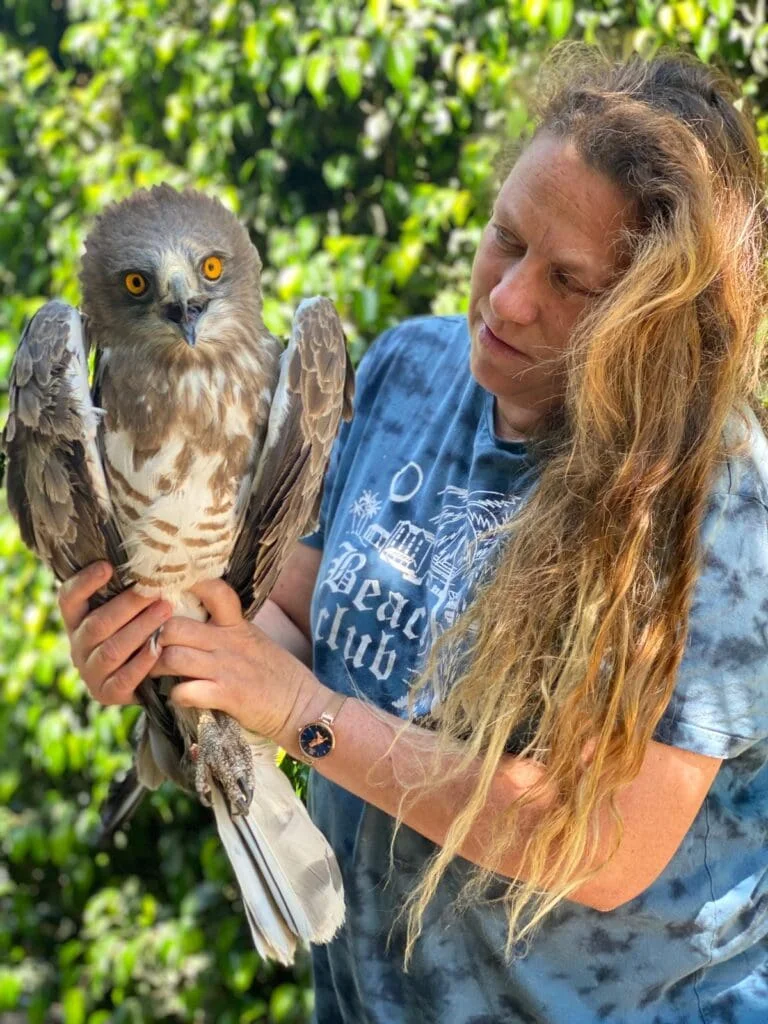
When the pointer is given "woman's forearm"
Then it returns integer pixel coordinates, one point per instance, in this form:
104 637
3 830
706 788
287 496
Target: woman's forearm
657 808
367 763
284 631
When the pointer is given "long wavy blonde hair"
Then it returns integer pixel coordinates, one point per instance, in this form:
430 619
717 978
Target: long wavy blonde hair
597 570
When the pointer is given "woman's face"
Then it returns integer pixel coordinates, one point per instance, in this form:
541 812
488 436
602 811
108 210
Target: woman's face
548 250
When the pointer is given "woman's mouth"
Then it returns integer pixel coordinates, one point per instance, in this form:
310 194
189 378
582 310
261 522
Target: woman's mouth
496 345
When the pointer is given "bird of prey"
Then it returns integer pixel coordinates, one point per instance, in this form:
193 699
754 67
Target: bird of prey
197 453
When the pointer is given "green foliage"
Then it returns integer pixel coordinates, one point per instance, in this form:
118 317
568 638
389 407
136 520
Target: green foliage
356 140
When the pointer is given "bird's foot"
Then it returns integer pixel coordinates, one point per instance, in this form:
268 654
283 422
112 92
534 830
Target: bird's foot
222 757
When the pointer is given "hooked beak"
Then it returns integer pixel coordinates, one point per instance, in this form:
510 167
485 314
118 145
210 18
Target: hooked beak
184 310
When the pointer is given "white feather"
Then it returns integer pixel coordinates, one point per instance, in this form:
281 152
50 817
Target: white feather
284 865
89 415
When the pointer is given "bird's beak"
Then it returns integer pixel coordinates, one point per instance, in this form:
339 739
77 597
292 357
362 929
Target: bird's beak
188 330
183 309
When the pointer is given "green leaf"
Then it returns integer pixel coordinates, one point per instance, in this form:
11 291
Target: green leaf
74 1006
646 12
319 67
283 1003
690 15
723 10
292 75
349 67
39 68
707 43
404 260
469 72
400 62
255 43
378 10
366 306
70 952
534 11
288 281
350 78
666 19
243 970
10 988
559 18
165 46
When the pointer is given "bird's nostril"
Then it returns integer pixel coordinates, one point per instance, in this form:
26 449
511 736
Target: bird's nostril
195 308
174 311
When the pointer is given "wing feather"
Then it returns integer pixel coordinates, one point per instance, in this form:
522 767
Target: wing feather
56 487
314 391
55 482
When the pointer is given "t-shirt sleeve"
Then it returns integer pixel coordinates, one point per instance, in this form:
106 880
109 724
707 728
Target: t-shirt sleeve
720 703
365 378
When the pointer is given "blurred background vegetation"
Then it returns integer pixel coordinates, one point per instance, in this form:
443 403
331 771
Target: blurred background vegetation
355 139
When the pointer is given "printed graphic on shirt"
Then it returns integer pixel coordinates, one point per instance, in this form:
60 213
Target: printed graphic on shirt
396 581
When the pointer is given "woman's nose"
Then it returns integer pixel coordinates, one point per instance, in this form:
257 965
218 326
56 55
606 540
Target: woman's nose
513 298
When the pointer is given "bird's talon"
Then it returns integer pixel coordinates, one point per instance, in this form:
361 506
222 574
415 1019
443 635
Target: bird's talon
154 642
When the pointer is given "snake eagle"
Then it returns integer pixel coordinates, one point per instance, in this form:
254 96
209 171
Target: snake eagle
197 452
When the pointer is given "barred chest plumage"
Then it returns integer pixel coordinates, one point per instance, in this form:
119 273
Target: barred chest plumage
180 455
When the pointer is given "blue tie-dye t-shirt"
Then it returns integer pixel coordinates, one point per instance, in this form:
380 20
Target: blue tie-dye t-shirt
415 483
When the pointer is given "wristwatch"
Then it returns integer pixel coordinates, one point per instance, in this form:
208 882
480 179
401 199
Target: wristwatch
316 738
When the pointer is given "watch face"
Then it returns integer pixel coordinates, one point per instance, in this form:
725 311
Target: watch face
316 739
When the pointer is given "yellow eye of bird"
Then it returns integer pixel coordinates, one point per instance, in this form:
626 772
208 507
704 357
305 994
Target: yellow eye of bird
135 283
212 268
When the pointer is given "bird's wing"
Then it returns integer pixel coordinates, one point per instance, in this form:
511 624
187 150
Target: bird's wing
57 491
314 391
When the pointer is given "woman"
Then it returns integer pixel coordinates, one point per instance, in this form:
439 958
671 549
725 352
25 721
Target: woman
545 537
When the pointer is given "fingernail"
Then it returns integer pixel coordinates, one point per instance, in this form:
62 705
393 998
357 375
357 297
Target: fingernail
154 642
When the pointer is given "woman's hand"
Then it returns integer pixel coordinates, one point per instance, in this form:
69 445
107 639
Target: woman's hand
110 647
232 666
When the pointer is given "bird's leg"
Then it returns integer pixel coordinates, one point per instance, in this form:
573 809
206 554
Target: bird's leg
223 758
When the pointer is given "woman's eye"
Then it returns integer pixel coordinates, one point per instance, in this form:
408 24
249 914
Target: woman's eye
505 240
565 283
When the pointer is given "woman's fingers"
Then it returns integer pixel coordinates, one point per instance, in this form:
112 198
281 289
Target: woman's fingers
220 601
200 693
103 661
186 632
105 622
187 661
76 592
120 686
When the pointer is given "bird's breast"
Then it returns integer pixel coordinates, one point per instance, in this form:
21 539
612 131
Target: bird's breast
178 501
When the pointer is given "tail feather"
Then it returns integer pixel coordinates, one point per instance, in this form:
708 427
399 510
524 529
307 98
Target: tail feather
124 796
287 872
283 953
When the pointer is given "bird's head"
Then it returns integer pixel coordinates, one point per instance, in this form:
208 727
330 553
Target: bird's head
171 271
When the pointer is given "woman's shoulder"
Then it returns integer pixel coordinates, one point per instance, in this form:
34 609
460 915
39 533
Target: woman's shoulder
419 343
734 531
720 703
744 475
